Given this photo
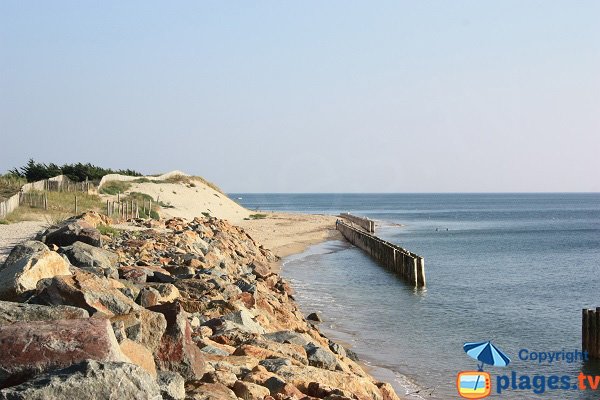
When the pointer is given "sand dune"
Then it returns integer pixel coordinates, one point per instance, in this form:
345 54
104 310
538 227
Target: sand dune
185 199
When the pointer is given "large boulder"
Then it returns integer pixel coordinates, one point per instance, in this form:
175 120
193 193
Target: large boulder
139 355
244 321
93 259
87 291
142 326
177 351
320 357
26 265
88 380
69 232
19 312
30 348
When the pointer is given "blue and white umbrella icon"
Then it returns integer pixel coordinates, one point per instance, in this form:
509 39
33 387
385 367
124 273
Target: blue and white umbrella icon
487 353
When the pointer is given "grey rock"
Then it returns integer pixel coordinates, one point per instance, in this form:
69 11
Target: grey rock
13 312
244 319
93 259
274 364
22 251
69 232
320 358
287 337
209 349
314 317
88 380
172 385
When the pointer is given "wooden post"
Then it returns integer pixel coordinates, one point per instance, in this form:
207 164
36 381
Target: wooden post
75 204
118 197
592 335
597 344
45 201
584 330
150 209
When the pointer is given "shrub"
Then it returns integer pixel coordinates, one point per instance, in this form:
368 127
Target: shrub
114 187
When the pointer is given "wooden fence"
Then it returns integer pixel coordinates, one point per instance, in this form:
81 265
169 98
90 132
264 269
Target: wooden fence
127 209
59 183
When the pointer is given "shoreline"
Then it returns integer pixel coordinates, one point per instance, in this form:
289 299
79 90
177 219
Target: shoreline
405 387
301 231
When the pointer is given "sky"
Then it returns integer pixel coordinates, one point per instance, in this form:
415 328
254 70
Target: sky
307 96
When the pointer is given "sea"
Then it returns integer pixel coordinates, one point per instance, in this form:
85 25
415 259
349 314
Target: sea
515 269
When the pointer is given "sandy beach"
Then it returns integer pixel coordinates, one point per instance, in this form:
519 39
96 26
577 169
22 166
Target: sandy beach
287 233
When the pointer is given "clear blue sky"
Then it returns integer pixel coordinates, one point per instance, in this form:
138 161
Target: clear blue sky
306 96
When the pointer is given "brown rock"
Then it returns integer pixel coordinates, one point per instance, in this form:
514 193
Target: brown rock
30 348
250 391
148 297
87 291
208 391
139 355
262 271
387 391
143 326
27 264
177 351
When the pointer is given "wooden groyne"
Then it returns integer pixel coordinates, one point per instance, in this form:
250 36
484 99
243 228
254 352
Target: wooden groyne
365 223
590 332
406 264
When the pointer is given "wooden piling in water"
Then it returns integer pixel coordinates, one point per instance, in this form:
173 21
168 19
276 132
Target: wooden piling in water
409 266
590 332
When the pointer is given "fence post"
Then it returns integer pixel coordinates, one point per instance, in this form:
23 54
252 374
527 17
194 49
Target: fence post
75 204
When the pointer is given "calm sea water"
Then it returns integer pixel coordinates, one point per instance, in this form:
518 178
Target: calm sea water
512 268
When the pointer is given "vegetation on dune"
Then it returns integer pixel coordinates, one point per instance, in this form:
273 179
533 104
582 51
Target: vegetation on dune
109 231
256 216
115 187
78 172
10 185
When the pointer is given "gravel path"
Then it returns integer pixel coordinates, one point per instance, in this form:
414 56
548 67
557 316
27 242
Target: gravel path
13 234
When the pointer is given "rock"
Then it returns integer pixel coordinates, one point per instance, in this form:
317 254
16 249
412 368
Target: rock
148 297
84 290
319 357
142 326
18 312
172 385
288 337
30 348
139 355
387 391
282 350
27 264
69 232
244 319
177 351
314 317
261 270
250 391
209 391
88 380
168 292
227 378
209 349
301 377
93 259
274 364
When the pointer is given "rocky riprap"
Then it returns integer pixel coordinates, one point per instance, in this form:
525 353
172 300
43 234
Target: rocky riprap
178 310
